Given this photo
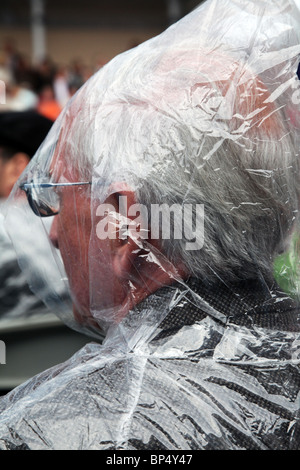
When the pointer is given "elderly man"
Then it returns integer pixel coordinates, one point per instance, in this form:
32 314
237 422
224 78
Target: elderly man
173 181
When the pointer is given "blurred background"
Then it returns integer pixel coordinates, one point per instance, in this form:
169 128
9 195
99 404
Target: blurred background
51 47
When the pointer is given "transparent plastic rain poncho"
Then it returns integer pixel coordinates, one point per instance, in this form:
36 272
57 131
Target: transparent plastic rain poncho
199 311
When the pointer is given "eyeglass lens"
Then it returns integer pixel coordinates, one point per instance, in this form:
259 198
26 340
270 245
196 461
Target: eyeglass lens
44 202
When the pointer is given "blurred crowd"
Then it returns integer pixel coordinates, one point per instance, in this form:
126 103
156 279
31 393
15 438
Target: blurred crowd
44 87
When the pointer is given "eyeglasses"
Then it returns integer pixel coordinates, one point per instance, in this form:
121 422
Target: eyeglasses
43 200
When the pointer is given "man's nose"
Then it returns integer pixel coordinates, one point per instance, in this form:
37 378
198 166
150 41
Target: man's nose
53 233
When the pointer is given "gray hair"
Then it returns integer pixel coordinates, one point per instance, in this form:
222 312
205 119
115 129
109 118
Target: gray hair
223 144
250 196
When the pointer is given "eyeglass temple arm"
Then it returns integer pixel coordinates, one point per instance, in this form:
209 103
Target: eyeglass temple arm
26 186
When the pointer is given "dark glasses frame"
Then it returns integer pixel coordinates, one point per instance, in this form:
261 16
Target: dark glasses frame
41 209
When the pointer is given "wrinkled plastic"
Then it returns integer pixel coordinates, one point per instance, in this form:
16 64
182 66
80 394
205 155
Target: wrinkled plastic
202 329
16 298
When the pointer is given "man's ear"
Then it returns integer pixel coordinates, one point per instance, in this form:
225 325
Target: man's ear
129 230
130 249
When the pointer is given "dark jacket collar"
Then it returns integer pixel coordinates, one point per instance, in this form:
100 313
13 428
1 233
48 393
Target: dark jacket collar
247 303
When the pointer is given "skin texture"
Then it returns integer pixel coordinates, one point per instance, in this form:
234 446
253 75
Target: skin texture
10 170
111 275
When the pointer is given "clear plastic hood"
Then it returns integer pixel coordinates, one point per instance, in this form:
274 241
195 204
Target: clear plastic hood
169 192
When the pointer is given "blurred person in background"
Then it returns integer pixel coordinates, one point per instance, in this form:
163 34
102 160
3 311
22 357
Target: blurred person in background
202 346
61 86
21 134
18 97
48 106
45 86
